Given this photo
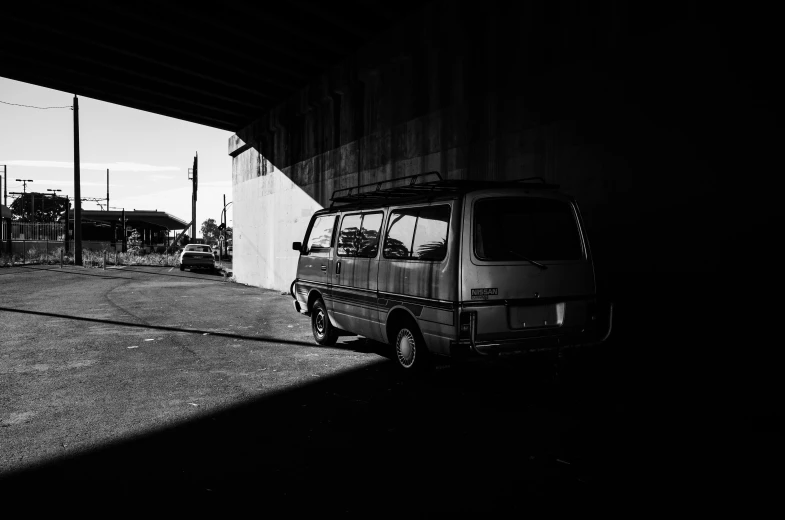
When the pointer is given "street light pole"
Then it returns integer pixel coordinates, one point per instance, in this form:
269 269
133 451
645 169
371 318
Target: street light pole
225 244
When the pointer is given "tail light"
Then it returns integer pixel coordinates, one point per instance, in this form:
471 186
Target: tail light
468 323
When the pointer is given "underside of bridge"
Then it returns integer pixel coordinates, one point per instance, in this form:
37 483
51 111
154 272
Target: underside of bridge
630 109
218 66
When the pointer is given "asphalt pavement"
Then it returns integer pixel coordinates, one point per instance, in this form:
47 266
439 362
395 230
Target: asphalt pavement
148 381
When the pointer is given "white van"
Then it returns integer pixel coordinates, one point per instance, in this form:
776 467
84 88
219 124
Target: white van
450 268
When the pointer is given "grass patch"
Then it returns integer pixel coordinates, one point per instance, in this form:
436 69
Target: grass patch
90 258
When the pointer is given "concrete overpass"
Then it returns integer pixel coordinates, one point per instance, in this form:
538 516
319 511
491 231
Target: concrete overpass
221 67
633 109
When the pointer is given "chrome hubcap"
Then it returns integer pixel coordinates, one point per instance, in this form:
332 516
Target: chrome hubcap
320 323
405 348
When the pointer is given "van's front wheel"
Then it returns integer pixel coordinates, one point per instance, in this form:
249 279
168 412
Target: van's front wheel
323 331
410 350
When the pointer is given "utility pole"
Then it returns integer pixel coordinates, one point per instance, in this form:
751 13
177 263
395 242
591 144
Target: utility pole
24 184
193 174
123 247
24 193
5 185
107 189
4 181
77 190
67 224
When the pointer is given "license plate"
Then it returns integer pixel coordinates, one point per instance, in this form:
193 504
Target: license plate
536 316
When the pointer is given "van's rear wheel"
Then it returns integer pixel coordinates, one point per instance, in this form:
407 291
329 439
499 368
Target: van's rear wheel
323 331
410 351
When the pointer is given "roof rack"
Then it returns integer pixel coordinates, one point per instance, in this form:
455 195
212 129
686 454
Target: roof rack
397 192
424 189
543 184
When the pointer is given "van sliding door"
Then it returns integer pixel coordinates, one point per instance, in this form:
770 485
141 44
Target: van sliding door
354 273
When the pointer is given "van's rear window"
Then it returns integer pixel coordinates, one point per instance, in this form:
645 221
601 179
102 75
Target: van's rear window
512 228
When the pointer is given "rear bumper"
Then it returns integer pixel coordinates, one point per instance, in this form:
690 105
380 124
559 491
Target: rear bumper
589 338
207 264
299 307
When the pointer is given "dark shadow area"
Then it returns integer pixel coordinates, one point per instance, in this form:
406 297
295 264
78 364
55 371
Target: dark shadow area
349 443
618 424
368 346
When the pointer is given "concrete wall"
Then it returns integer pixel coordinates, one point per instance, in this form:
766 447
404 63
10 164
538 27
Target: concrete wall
274 212
619 107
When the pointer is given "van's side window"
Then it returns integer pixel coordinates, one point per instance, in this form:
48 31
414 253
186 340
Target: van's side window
348 236
400 233
370 230
430 237
321 236
418 233
359 235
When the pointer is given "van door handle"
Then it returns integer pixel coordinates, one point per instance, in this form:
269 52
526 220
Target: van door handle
324 268
337 267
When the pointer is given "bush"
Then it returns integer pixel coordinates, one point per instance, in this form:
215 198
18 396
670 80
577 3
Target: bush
90 258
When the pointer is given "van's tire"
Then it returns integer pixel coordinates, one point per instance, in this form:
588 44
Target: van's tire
182 268
409 350
323 331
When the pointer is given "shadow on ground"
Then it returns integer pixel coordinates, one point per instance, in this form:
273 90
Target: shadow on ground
639 420
473 436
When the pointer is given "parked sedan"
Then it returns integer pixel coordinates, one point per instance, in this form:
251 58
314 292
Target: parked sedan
197 256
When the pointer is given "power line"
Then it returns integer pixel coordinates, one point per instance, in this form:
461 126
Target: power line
30 106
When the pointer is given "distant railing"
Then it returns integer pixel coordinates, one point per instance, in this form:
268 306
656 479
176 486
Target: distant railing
35 231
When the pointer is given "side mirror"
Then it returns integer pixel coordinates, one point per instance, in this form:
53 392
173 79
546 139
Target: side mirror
297 246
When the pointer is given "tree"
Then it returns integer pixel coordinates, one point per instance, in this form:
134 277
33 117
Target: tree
48 208
134 238
210 231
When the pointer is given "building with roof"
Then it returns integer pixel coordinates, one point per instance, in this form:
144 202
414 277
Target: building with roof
154 228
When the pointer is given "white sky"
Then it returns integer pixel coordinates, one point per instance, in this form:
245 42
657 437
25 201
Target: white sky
148 155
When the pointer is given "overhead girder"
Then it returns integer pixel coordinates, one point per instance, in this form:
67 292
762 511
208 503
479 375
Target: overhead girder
223 68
